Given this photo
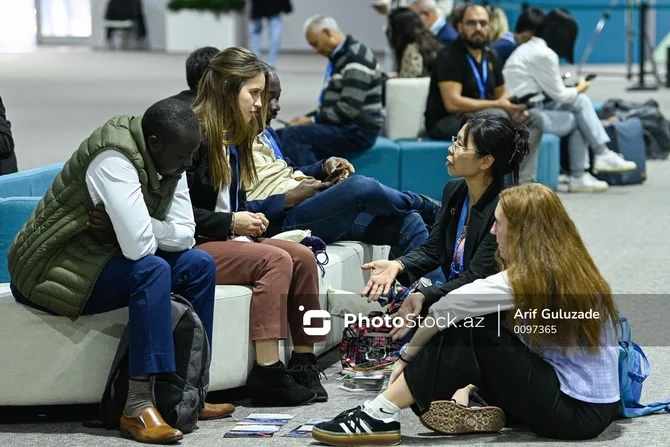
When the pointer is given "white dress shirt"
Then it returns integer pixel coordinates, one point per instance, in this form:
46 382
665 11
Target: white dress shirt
223 197
113 181
533 68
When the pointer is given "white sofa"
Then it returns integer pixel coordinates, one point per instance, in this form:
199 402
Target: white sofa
49 360
405 107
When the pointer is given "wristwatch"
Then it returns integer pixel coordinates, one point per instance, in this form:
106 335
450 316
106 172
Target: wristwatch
403 354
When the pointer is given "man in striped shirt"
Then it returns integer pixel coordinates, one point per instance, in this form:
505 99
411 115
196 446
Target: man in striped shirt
349 115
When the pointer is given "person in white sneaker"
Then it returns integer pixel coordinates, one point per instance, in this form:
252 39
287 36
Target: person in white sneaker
568 112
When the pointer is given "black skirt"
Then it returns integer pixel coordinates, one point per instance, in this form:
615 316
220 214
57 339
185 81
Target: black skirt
509 376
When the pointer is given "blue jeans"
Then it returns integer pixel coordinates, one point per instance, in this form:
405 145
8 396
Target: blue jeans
145 286
362 209
305 145
274 38
580 123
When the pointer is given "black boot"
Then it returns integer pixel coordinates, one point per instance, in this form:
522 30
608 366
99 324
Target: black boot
306 372
273 386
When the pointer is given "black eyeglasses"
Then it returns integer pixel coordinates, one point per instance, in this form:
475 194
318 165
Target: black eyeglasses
454 141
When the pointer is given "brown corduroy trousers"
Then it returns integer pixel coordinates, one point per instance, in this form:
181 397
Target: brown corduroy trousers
285 281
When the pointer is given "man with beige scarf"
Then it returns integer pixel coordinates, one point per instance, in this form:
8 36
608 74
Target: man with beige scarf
329 200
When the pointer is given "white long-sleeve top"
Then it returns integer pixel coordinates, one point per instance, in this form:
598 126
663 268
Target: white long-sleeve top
112 180
584 376
534 68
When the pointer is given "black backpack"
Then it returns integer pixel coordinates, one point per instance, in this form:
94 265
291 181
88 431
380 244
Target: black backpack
656 127
179 396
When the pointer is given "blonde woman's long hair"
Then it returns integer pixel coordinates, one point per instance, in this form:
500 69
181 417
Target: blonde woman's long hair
549 268
222 121
499 24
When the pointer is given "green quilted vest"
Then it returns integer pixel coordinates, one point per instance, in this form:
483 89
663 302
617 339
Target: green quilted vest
55 259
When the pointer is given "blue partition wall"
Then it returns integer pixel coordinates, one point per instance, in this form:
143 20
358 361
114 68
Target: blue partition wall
610 47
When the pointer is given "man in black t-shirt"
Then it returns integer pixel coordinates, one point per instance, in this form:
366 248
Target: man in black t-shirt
467 78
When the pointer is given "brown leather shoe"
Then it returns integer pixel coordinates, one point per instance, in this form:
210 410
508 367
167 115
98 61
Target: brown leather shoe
216 411
149 427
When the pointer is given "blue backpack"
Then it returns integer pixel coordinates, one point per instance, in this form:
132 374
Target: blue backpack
633 370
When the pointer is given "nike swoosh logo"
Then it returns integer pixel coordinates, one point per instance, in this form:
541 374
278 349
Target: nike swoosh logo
385 412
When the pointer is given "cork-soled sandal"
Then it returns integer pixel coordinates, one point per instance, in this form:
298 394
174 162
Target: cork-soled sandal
451 418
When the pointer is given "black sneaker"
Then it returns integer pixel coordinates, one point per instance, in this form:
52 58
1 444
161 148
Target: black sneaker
430 209
273 386
306 372
356 427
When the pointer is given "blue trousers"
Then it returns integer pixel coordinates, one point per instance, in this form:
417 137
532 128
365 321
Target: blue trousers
144 286
362 209
305 145
274 38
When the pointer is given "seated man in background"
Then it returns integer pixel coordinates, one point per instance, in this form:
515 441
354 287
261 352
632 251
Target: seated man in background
196 64
435 20
324 199
569 112
7 155
468 78
115 230
526 25
349 116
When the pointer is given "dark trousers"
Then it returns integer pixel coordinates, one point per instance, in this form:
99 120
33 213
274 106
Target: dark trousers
509 376
305 145
145 286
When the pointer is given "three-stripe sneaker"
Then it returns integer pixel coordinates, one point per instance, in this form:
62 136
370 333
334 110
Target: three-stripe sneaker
356 427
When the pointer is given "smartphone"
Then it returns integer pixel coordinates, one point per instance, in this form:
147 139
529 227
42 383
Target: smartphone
332 178
523 99
591 76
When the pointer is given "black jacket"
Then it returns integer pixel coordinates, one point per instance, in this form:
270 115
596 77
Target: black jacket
188 96
438 250
7 155
270 8
211 225
215 226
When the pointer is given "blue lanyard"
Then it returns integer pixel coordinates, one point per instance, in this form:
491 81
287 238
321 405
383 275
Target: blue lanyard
326 79
481 80
233 151
267 138
458 268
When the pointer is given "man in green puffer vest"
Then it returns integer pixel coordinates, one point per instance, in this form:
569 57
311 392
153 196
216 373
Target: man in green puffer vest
116 229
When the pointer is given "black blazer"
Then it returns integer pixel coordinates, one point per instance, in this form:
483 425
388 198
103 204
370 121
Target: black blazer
210 225
7 154
438 250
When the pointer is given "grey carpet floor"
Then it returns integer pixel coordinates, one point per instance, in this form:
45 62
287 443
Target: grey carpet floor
56 97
